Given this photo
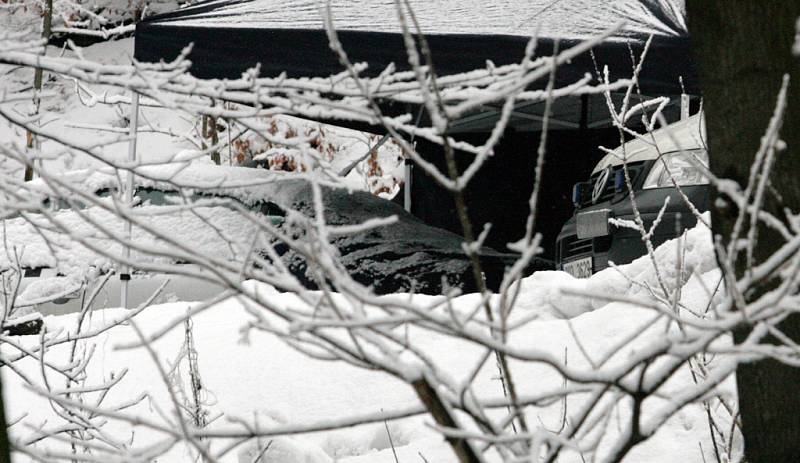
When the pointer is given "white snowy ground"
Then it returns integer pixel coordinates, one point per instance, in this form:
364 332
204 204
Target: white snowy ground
257 375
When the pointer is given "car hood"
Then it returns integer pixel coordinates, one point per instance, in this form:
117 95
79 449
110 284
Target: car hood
682 135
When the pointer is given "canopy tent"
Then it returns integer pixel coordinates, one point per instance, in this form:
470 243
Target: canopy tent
232 36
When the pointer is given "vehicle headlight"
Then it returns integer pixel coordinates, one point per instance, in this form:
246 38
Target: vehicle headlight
684 167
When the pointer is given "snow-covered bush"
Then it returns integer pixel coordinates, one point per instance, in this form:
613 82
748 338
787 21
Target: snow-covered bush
297 145
99 19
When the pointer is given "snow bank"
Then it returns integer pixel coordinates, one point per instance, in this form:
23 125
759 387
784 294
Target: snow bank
255 376
559 295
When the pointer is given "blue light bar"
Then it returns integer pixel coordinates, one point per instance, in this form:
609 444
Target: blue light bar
577 194
619 180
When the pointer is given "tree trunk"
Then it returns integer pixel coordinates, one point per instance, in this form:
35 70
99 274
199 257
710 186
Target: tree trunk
743 50
5 448
47 24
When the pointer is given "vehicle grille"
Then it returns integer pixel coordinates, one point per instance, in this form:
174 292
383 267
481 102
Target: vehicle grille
634 169
571 246
609 190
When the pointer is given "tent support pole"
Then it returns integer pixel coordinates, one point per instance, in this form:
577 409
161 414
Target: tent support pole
408 165
407 186
133 132
584 122
685 101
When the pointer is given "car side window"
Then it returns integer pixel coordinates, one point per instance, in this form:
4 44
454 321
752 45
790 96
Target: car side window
270 208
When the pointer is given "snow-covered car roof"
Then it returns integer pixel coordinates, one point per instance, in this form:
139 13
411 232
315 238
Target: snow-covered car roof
687 134
51 246
248 185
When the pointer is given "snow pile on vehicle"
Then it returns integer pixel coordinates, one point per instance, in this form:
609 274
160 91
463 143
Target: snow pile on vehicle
73 245
47 289
406 255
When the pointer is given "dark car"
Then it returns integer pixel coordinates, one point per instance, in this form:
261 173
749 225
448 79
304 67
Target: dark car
407 255
655 163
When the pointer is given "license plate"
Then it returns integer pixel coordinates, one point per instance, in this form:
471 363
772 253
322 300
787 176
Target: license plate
592 223
579 268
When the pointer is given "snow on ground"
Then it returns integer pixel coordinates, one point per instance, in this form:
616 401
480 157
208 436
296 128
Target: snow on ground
253 375
697 253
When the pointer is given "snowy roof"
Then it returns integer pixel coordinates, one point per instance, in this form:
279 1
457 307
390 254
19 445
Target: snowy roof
561 18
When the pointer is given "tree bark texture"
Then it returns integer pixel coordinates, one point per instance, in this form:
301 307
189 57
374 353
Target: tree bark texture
47 25
743 50
444 416
5 447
